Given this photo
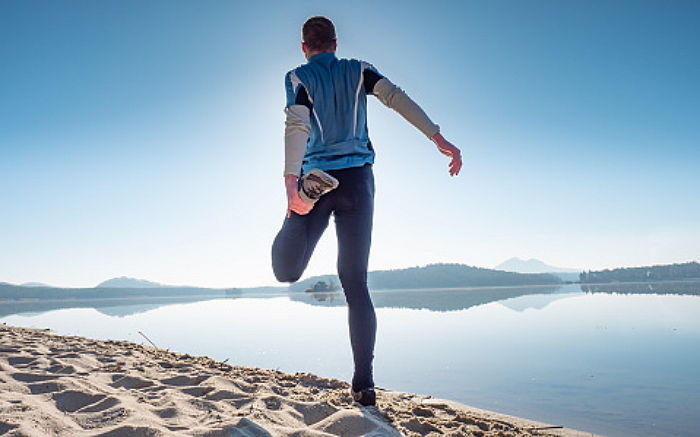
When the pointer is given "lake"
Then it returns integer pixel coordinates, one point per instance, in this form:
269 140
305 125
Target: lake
618 360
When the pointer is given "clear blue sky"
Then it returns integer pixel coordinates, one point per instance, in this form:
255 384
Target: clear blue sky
145 138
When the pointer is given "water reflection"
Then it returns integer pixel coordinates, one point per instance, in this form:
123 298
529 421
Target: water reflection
675 287
516 298
433 300
111 307
535 301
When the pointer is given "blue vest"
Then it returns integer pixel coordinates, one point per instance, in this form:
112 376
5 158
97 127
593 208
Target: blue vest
338 137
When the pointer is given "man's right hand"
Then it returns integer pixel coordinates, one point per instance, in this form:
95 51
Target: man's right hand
294 202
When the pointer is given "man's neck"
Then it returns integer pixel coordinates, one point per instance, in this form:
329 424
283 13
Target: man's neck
309 55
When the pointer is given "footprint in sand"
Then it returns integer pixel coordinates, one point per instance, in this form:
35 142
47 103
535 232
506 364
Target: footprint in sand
272 403
69 355
132 431
71 401
32 377
204 405
244 427
105 404
6 427
248 388
237 400
197 391
20 361
130 382
423 412
353 425
45 387
313 412
166 413
184 380
61 369
279 391
420 427
479 424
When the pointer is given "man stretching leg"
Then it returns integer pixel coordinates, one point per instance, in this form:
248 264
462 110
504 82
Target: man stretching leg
326 143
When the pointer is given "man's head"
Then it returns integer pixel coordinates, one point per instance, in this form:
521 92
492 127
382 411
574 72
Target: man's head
318 36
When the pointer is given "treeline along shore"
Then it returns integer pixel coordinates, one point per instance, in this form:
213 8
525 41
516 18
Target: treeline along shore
440 276
657 273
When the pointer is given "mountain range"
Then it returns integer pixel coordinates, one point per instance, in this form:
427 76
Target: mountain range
126 282
531 265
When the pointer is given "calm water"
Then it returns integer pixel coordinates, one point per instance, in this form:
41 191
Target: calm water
619 361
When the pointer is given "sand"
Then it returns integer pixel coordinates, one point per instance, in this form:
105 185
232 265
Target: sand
54 385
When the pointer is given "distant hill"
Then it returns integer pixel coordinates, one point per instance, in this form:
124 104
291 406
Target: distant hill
531 265
13 292
126 282
668 272
35 284
439 276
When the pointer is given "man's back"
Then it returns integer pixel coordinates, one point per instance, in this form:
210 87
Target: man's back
333 91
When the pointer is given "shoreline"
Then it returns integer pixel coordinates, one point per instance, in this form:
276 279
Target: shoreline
75 386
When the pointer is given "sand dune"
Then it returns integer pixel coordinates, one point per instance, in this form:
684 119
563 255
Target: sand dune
72 386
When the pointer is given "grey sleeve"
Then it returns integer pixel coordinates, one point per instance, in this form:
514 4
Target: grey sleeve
297 127
396 99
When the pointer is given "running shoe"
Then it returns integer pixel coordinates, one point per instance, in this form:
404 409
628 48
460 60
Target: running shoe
364 397
315 184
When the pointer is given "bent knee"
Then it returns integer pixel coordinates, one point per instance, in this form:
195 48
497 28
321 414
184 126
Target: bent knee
290 279
287 276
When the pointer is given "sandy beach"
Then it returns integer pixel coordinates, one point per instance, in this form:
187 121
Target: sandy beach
54 385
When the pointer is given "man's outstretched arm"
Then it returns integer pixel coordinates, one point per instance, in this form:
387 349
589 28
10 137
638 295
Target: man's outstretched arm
396 99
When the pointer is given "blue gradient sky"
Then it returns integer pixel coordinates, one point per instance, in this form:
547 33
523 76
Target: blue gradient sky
145 138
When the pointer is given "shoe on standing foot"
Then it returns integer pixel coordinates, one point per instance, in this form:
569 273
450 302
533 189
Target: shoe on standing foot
315 184
364 397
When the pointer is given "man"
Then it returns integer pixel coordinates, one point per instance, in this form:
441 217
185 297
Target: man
326 143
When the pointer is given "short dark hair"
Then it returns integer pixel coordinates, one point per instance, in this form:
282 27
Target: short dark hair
318 33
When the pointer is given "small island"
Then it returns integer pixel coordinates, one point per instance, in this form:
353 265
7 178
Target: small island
323 287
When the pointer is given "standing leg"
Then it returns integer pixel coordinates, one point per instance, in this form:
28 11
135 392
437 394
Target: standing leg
353 220
297 240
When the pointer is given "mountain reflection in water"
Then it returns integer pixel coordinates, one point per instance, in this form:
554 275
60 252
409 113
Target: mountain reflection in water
452 299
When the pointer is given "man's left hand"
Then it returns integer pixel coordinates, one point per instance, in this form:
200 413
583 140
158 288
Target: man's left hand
449 149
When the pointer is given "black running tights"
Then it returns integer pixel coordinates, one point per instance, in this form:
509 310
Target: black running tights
352 204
